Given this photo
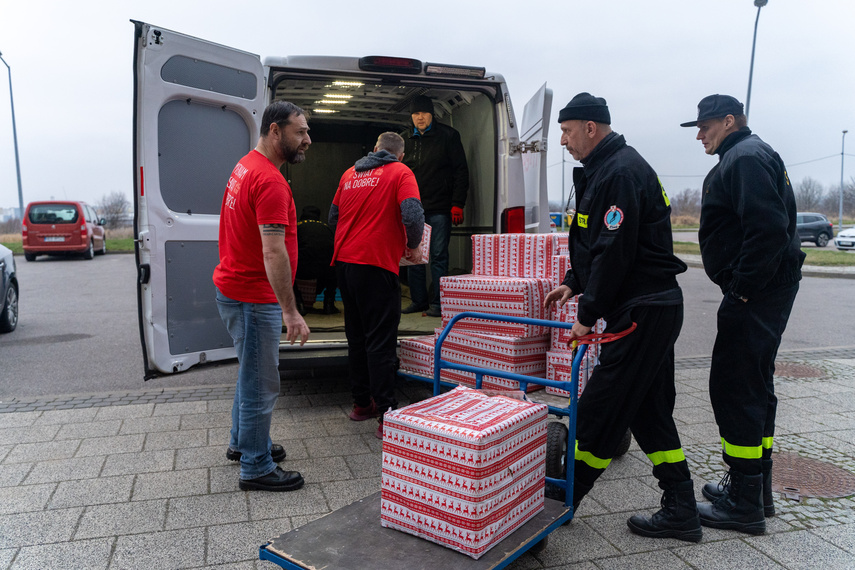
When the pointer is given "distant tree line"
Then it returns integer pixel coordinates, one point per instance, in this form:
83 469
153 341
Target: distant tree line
810 194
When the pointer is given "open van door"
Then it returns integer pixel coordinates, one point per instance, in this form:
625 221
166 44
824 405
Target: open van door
197 111
534 130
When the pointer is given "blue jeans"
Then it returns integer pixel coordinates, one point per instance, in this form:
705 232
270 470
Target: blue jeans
256 329
416 274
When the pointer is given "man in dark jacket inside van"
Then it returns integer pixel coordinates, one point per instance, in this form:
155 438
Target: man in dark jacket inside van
751 250
315 241
625 271
434 153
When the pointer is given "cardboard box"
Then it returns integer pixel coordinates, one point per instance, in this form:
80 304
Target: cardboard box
559 367
511 296
424 246
560 266
514 255
520 355
463 469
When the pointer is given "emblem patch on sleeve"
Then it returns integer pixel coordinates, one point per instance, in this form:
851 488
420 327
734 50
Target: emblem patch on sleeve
613 218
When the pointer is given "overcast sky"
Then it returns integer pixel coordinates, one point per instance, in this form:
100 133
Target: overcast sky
653 60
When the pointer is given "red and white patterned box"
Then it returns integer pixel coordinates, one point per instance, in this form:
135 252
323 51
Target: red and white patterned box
566 314
511 296
463 469
424 247
560 266
520 355
559 368
514 255
416 356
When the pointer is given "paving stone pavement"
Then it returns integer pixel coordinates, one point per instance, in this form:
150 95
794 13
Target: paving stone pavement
140 480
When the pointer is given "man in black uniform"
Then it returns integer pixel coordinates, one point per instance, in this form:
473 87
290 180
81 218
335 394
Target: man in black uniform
751 249
434 153
315 241
624 267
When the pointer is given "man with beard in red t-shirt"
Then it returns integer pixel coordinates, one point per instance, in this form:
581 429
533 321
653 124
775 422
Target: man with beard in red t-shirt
377 216
254 279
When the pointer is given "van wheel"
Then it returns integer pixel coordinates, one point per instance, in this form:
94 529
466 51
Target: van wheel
822 240
103 250
90 251
30 256
9 315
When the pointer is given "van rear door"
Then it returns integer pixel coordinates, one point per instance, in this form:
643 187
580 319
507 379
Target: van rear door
534 130
197 111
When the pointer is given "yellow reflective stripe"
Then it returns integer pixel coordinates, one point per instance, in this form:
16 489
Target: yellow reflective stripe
582 220
664 195
742 451
670 456
767 442
591 459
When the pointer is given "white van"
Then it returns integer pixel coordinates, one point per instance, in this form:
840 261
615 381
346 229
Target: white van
197 111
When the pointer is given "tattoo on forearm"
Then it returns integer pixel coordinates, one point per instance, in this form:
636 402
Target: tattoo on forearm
273 229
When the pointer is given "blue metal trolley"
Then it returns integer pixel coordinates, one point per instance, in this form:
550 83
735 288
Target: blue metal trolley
351 538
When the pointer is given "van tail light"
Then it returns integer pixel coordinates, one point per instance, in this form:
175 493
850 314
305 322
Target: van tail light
513 220
83 230
24 232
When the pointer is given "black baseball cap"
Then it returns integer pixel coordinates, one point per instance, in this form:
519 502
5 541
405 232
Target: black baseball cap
715 107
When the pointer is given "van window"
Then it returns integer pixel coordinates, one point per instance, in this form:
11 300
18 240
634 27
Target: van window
53 214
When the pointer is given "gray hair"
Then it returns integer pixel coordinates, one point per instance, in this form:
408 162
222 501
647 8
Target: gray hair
391 142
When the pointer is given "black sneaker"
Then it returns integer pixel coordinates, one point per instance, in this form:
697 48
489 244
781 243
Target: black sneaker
277 453
277 481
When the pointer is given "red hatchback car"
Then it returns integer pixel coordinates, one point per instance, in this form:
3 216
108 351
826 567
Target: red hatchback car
61 227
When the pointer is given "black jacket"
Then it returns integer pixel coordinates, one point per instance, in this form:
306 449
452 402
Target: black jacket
439 163
621 248
748 230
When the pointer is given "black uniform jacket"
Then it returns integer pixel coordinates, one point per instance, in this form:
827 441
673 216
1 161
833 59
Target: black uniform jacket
748 230
621 248
439 163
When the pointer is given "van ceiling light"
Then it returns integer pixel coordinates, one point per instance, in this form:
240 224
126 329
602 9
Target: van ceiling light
455 70
347 83
331 102
338 96
324 111
390 64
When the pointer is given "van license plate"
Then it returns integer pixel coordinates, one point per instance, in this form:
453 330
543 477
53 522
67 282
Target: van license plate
54 238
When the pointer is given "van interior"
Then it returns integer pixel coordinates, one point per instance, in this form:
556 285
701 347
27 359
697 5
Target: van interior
347 114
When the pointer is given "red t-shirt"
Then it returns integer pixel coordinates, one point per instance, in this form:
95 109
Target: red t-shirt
370 230
256 194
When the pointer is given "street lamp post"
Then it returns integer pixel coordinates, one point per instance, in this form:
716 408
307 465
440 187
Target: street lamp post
15 139
759 4
840 211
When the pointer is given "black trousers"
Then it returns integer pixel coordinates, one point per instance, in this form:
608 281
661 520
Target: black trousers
742 389
633 387
372 312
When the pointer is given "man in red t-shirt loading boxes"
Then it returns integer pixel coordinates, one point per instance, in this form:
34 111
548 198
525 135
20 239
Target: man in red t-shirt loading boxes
254 279
377 214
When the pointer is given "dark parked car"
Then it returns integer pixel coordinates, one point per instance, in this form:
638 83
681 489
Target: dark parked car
8 291
814 227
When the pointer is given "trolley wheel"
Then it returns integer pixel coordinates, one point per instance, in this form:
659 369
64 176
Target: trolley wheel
556 458
540 546
624 444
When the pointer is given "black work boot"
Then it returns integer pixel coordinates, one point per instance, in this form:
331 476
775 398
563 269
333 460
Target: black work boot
329 306
678 517
741 508
714 491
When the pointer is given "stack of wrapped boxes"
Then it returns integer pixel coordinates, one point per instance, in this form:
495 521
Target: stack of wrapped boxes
511 275
463 469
